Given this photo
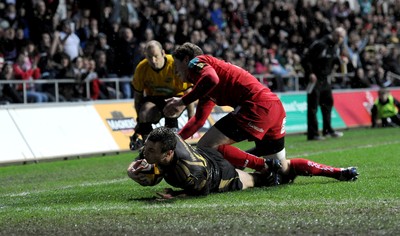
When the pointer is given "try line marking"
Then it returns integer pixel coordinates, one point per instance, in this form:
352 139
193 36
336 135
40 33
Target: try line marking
113 181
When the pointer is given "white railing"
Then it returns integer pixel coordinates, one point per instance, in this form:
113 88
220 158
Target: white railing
57 82
117 81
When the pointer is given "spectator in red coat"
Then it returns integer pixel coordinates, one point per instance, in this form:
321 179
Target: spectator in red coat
24 69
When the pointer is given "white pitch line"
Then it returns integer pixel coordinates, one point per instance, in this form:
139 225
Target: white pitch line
343 149
88 184
267 203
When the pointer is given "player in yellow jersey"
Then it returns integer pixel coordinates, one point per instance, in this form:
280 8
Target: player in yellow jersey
154 81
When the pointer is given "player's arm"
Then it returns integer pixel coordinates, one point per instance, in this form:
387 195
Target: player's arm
195 186
190 107
169 193
204 108
144 173
207 82
137 83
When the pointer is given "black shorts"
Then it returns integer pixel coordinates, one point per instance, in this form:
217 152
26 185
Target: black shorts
225 177
266 146
158 101
160 104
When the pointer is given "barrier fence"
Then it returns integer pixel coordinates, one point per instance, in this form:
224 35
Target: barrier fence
266 79
34 132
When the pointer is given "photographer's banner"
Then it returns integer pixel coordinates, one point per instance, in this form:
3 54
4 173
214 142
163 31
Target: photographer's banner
354 106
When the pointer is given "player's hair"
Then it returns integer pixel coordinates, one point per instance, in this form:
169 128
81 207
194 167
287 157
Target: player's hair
187 50
153 43
164 135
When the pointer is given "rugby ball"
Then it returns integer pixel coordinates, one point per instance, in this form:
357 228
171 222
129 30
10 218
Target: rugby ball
151 177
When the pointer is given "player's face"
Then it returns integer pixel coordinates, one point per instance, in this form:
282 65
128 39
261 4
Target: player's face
152 153
181 69
155 56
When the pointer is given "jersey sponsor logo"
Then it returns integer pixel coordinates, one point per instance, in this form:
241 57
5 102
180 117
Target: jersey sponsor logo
283 128
318 166
253 126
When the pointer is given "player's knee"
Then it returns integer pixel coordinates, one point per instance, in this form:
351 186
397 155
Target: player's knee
281 156
285 166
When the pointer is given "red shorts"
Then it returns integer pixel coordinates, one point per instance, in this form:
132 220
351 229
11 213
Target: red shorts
262 118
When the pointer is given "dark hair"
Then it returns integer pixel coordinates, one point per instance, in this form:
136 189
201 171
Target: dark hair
187 50
383 91
164 135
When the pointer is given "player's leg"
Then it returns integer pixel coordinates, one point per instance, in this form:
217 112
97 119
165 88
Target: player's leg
396 119
232 179
225 132
312 108
171 123
272 149
247 179
326 104
149 113
259 179
297 166
214 138
304 167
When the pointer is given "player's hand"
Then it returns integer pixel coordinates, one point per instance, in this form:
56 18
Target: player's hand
135 168
169 193
174 107
313 78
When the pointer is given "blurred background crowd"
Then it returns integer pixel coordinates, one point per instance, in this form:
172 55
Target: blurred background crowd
87 40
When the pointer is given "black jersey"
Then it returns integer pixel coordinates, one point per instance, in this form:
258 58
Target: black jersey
200 171
321 57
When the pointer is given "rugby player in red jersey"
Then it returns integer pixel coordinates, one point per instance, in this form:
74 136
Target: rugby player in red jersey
258 115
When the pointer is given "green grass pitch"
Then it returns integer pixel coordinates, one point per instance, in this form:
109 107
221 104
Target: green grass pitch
93 196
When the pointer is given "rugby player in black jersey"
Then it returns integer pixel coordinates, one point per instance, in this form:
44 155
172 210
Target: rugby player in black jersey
195 171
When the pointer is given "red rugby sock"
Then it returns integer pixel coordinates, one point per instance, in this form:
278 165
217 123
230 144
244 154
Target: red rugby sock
306 167
241 158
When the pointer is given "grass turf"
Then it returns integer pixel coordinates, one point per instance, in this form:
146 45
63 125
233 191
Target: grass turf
93 196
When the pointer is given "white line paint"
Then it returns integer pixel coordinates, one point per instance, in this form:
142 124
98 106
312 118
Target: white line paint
258 204
344 149
88 184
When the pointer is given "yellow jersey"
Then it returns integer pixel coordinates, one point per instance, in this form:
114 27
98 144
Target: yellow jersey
164 82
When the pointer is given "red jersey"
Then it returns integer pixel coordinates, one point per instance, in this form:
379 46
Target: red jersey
221 82
217 82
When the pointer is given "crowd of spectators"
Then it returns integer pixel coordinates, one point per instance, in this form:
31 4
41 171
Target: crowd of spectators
86 40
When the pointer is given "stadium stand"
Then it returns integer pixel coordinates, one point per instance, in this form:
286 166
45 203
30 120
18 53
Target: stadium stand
268 38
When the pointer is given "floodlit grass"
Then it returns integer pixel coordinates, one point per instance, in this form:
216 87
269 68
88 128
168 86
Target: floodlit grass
93 196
